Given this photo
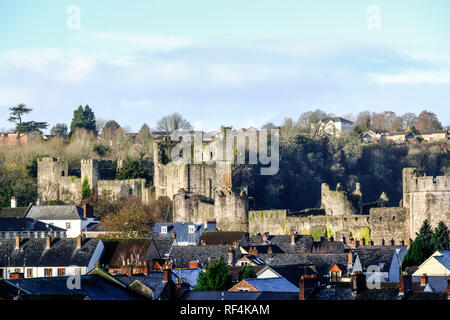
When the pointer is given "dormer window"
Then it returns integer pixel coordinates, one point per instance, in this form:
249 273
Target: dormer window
164 229
191 229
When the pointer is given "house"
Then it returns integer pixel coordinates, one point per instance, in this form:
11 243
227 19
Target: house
434 135
436 265
202 256
292 273
371 136
335 126
223 238
96 285
400 137
188 276
286 243
69 217
184 233
276 284
36 257
249 260
154 286
377 262
28 228
237 296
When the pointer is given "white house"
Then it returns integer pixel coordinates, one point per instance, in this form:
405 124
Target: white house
332 126
436 265
68 217
36 257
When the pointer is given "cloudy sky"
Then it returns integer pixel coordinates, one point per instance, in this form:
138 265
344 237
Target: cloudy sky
239 63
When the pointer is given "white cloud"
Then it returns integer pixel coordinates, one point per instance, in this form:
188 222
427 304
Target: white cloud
53 63
412 77
151 41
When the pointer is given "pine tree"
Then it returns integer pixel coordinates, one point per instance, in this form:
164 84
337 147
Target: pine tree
83 118
85 189
425 235
247 272
441 237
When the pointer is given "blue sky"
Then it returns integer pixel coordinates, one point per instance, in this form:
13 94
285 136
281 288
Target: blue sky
239 63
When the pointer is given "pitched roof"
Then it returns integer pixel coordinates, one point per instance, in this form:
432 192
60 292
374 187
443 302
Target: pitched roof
203 254
292 272
322 262
187 275
153 280
13 212
32 252
26 224
63 212
444 259
228 295
94 286
181 230
278 284
379 256
135 250
303 244
221 237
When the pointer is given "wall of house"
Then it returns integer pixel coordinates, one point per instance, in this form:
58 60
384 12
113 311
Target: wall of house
75 226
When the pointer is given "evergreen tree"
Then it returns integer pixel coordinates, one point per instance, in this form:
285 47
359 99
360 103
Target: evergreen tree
134 169
247 272
16 115
441 237
216 278
85 189
83 118
60 130
426 236
415 255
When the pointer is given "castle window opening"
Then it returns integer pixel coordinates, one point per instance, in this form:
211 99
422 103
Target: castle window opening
393 218
62 173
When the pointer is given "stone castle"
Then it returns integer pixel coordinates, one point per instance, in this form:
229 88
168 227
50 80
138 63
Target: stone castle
202 191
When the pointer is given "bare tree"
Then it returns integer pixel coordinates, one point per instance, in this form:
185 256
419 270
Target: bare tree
428 121
144 142
170 123
409 119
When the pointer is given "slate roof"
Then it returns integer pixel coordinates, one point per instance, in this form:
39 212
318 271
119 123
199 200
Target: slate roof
328 247
163 246
181 230
32 252
334 292
217 295
203 254
187 275
235 270
222 237
322 262
381 257
13 212
135 250
437 283
444 259
292 272
264 249
303 243
26 224
278 284
94 286
154 280
62 212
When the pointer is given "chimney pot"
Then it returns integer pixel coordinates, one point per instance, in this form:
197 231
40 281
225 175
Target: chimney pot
17 242
79 240
350 259
13 202
293 238
48 242
269 251
423 280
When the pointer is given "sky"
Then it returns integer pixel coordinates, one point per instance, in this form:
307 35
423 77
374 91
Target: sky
238 63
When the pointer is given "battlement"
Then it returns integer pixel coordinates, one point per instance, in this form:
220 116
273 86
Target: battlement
414 182
48 159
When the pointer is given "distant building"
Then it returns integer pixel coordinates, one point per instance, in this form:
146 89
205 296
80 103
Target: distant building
332 127
184 233
434 135
371 136
28 228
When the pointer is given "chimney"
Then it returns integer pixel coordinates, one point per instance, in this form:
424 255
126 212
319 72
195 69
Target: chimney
405 284
193 264
124 263
17 242
79 240
423 280
269 250
350 259
203 243
410 241
371 242
363 241
264 237
382 242
307 283
173 235
331 239
293 238
301 289
344 241
448 289
166 271
402 243
205 224
230 256
358 282
48 242
392 242
38 202
13 202
88 211
255 251
352 243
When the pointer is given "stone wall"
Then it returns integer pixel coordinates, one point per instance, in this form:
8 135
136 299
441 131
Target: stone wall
231 211
192 207
389 223
425 197
336 202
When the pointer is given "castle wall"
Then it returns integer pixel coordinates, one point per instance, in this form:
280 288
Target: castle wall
425 197
231 211
389 223
191 207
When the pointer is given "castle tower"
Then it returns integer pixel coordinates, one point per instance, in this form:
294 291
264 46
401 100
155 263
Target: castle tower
89 169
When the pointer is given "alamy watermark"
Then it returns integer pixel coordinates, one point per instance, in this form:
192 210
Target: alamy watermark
74 18
231 146
374 19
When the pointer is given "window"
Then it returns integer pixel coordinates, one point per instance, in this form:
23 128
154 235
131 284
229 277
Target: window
164 229
61 272
244 289
48 272
29 273
191 229
67 225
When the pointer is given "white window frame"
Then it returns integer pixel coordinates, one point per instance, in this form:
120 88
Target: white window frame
164 229
191 229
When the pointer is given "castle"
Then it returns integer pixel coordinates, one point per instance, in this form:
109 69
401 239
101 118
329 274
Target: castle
202 191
